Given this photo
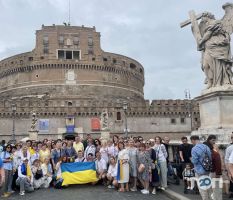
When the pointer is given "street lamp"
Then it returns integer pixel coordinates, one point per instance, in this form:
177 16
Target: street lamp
188 97
13 108
125 107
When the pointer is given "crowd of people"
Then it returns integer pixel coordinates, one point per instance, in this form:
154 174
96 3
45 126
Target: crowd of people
144 164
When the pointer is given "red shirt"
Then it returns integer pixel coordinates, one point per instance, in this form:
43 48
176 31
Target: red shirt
216 161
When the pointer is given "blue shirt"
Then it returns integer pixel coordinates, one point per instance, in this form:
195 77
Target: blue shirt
198 154
8 165
1 163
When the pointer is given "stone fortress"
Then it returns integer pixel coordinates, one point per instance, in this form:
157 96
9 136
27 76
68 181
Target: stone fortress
67 80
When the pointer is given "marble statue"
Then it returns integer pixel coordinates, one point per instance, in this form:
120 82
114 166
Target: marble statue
34 122
104 120
213 40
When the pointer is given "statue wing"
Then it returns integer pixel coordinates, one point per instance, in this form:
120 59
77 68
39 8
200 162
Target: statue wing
227 20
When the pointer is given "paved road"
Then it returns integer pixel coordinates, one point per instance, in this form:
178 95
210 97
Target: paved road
85 192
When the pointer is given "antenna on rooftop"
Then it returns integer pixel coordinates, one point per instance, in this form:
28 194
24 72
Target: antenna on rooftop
69 14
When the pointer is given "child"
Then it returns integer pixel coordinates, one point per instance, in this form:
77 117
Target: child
188 176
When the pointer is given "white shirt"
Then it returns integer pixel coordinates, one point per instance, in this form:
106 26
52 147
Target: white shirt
101 165
89 149
104 153
22 156
23 176
228 153
231 158
112 151
112 170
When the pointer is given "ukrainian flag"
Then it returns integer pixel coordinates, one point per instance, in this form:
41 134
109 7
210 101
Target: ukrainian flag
78 173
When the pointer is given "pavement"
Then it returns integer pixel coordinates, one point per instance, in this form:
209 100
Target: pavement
176 192
86 192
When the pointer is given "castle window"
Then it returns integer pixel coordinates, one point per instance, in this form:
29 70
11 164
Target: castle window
118 115
173 121
76 40
76 55
90 51
105 59
90 41
70 103
30 58
45 40
61 54
68 55
61 40
141 71
114 60
132 66
46 50
182 120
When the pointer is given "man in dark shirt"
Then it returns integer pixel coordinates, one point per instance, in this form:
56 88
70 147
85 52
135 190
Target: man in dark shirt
166 141
185 150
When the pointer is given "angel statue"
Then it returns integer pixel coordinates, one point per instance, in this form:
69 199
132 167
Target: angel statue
213 40
104 119
34 122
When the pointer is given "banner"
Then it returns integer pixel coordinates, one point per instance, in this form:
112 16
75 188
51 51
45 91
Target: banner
44 125
95 124
70 126
78 173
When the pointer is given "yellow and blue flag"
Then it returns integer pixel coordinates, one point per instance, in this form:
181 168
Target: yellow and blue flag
78 173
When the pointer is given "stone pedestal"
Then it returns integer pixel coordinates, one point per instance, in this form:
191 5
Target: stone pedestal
216 114
33 135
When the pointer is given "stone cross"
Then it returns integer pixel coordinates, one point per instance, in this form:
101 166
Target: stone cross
195 27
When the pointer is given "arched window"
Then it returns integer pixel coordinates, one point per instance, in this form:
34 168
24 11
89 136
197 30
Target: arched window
118 115
132 66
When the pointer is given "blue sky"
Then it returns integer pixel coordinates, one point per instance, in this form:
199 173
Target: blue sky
147 31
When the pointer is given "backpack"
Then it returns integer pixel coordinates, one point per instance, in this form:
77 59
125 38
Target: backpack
207 161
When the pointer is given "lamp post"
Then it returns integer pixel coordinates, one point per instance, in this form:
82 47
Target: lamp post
188 97
13 108
125 107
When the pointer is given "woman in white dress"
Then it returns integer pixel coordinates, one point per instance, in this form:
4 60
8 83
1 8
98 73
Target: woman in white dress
133 156
104 150
112 173
123 168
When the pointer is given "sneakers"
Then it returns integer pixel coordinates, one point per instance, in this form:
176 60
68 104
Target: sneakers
133 189
188 188
5 195
145 191
153 191
162 188
109 187
22 193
